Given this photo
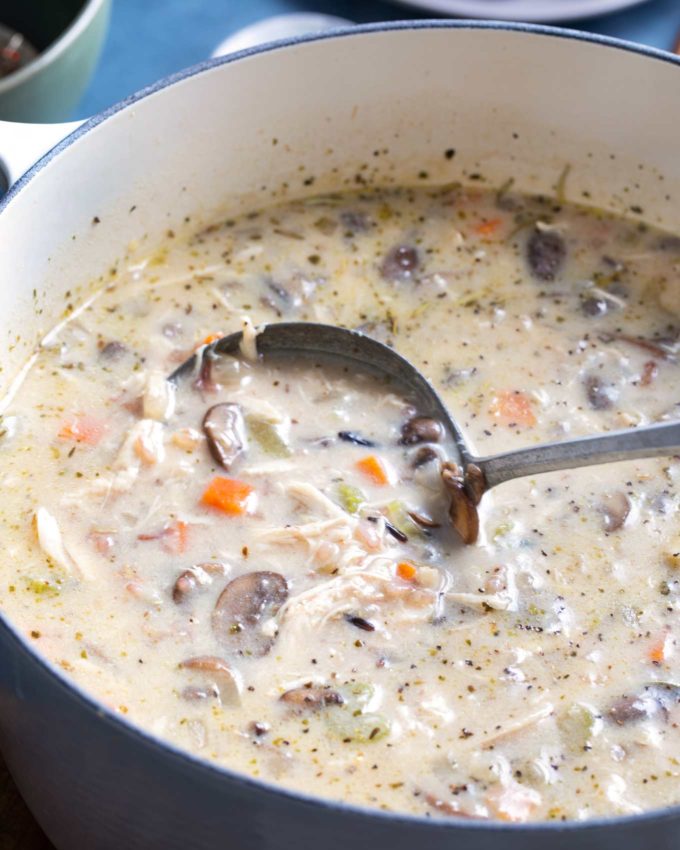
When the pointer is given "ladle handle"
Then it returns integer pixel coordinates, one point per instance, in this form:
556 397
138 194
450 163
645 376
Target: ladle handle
652 441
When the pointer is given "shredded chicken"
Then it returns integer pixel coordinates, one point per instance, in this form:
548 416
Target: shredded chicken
51 542
513 801
159 397
248 345
515 728
143 444
499 601
311 497
339 529
340 595
271 467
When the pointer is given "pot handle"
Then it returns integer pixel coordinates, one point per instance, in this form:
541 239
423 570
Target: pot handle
21 145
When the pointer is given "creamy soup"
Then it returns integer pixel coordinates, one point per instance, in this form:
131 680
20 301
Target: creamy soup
256 564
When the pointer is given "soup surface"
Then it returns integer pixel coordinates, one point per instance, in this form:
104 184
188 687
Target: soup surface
256 564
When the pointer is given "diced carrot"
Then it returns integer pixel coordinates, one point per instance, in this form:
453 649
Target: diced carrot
406 571
82 428
373 468
175 537
102 541
514 408
488 228
228 495
210 339
660 650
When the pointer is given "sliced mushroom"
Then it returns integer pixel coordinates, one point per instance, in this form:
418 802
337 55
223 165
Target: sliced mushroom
475 482
197 576
424 455
355 221
279 291
668 242
546 253
594 307
615 510
663 348
220 675
311 697
243 607
227 680
654 699
400 263
286 296
462 510
258 728
601 396
195 693
627 709
185 585
113 350
421 429
423 520
225 431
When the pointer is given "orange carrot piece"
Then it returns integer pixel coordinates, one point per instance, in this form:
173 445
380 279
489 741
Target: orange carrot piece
660 650
373 468
103 541
488 228
210 338
406 571
82 428
228 495
514 408
175 537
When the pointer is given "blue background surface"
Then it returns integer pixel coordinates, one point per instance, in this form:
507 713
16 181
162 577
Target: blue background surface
149 39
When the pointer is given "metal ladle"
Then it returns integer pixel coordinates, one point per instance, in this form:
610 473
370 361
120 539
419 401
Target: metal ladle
465 476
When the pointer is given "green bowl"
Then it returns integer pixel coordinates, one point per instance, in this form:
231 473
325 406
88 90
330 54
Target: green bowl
69 35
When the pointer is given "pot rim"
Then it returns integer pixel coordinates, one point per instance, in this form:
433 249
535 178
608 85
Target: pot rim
185 759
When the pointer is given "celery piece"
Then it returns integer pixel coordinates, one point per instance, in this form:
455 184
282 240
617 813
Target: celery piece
351 723
40 588
399 517
351 498
267 436
576 726
502 530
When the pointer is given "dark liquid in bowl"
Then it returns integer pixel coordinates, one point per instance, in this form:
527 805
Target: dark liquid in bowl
15 51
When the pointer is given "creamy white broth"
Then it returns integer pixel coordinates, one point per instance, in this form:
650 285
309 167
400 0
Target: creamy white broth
530 676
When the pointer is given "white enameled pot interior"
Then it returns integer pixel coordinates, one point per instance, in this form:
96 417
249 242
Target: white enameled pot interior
371 106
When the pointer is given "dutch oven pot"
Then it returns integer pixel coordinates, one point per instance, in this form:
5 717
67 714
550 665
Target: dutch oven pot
371 104
69 35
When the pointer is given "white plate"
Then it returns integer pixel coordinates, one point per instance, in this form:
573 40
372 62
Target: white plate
523 10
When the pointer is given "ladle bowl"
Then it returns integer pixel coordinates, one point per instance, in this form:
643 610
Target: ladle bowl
465 476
